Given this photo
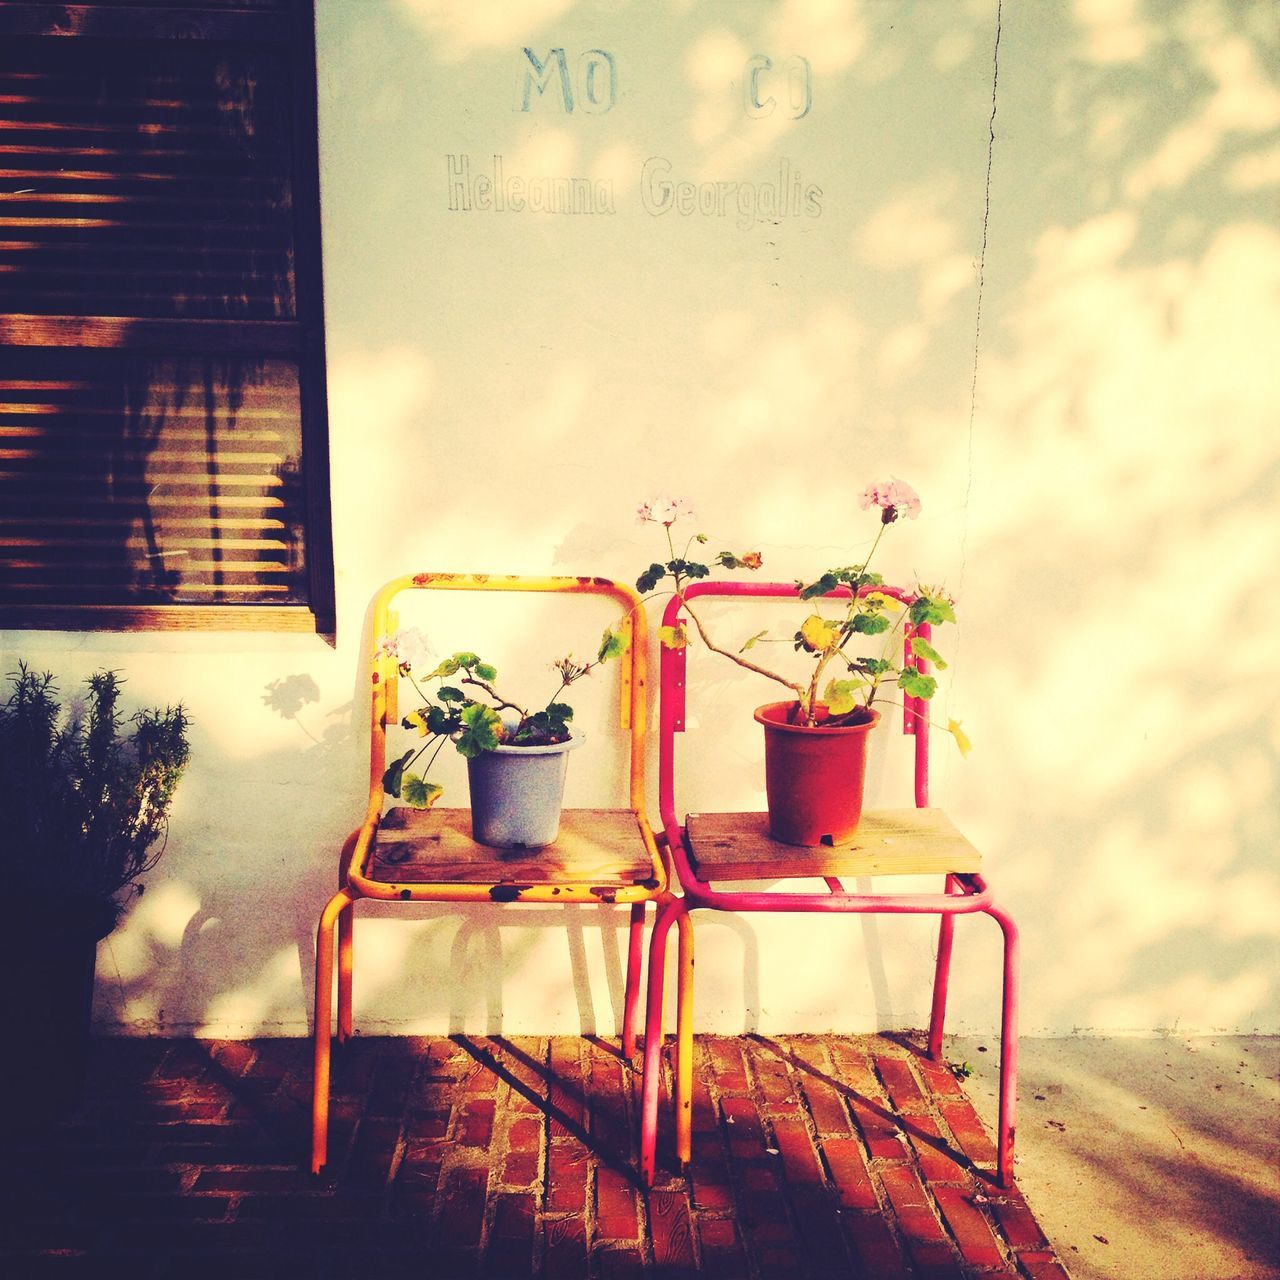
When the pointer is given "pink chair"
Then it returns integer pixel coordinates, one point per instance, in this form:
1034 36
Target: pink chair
710 848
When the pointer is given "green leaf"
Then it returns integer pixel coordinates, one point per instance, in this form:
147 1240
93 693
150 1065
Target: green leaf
878 602
673 637
466 659
543 727
393 777
420 793
479 731
931 610
923 649
449 667
840 696
914 685
440 721
612 645
869 624
875 666
687 568
483 671
817 635
447 693
828 582
650 578
755 640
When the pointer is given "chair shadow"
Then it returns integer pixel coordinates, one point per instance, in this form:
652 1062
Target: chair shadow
601 1120
895 1119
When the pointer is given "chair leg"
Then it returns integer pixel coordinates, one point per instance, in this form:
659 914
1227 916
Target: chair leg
684 1042
323 1023
652 1071
346 962
941 978
631 997
1008 1120
346 942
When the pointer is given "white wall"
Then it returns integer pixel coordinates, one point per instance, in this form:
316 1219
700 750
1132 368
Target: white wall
1099 473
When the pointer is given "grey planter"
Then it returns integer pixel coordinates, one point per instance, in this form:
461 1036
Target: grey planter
517 794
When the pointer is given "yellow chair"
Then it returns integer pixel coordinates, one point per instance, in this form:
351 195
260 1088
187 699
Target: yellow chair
406 855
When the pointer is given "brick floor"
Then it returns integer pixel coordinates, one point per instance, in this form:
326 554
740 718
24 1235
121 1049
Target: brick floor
814 1156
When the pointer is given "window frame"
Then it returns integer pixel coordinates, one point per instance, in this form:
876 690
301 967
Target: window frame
290 25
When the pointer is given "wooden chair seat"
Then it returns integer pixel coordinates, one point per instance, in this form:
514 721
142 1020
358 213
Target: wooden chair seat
602 847
889 842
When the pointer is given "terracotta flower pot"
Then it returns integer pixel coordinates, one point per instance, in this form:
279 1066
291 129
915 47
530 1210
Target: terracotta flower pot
814 776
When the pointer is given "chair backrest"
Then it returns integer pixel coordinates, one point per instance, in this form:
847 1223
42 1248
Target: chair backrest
633 664
674 679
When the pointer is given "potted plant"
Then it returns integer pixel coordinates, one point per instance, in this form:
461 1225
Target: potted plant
83 815
517 758
859 643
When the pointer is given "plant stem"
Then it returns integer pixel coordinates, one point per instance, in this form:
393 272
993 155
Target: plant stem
810 700
502 703
745 663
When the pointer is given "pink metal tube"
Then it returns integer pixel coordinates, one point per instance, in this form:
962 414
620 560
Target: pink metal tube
941 977
668 912
915 720
974 896
1008 1116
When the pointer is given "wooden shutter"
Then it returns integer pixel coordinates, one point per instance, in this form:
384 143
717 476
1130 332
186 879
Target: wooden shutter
162 435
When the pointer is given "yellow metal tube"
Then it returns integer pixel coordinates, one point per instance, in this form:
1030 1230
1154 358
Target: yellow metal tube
684 1041
340 902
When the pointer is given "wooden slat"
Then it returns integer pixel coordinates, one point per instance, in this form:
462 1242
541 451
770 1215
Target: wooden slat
889 842
267 616
131 22
595 847
256 338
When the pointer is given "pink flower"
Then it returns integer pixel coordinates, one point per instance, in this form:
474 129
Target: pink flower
407 647
894 497
663 511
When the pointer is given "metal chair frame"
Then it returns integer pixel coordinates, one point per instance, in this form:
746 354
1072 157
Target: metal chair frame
357 877
963 894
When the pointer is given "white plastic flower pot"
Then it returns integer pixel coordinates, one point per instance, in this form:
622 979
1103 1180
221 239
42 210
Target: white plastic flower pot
517 794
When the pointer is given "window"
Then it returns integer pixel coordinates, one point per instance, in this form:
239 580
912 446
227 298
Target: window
163 435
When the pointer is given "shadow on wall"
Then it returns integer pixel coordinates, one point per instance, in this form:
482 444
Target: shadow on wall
1125 484
224 938
224 935
1107 515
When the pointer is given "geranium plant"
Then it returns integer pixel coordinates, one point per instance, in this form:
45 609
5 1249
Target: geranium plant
844 679
464 707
